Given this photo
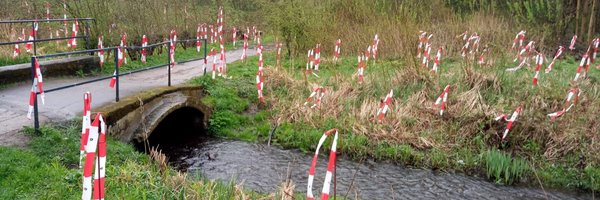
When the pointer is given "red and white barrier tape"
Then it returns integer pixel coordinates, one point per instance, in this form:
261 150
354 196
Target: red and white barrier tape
317 57
426 57
512 119
482 57
198 41
32 36
37 85
120 58
519 37
560 50
442 100
86 124
436 62
123 45
330 166
337 50
73 41
573 41
319 93
384 106
234 35
361 68
375 46
101 52
595 44
584 59
144 46
278 46
95 142
213 53
244 48
539 61
422 37
17 50
569 103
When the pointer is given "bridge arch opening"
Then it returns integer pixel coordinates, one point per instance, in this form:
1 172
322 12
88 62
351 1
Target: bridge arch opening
180 128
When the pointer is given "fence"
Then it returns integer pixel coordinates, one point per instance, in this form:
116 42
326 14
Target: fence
35 40
36 122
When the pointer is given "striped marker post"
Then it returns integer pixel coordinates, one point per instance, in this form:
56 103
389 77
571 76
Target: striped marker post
595 44
337 50
17 50
560 50
584 59
124 45
234 35
539 60
330 166
375 46
512 119
85 124
569 103
120 56
384 106
101 52
259 75
426 52
573 41
213 53
442 100
144 46
482 57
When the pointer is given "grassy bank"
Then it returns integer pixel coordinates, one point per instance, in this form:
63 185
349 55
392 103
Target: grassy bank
48 169
559 153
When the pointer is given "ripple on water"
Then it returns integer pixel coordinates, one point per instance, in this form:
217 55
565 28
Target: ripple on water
263 169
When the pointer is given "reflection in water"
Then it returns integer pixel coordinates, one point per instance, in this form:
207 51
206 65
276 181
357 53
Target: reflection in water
263 169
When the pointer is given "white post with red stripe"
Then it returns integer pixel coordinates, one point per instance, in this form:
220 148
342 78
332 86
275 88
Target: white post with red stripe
213 53
73 41
279 45
32 36
330 166
120 58
442 100
317 57
384 106
234 36
375 46
259 75
558 53
422 38
361 68
198 42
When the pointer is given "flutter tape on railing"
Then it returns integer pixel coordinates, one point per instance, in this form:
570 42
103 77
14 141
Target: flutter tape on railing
330 166
17 50
101 52
510 121
172 45
539 61
32 36
569 103
85 124
120 57
560 50
37 86
384 106
95 142
442 100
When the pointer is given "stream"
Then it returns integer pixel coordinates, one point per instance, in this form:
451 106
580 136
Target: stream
263 169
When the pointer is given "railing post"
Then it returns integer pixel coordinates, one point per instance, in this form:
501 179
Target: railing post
36 122
169 60
205 58
34 38
117 74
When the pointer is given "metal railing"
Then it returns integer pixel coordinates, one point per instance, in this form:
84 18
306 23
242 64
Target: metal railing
116 75
35 40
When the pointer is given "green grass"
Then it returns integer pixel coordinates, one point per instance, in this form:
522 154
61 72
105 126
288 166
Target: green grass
48 169
458 141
